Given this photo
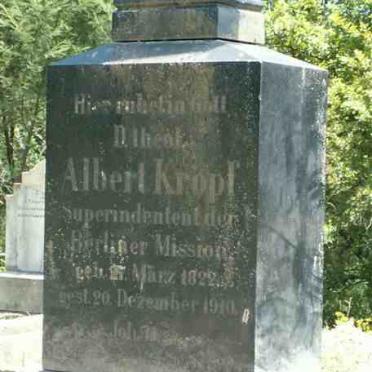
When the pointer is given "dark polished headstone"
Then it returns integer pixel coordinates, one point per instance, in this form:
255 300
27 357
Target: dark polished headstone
184 198
184 210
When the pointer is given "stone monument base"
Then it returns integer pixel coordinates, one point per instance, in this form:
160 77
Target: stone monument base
21 292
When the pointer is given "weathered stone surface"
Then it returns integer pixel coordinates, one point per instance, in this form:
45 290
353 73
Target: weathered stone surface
21 286
25 222
184 210
180 20
20 346
21 292
290 244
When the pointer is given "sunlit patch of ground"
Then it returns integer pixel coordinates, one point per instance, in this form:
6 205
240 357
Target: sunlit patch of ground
20 342
346 349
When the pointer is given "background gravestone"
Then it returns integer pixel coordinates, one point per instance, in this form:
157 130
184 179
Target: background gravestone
184 198
21 284
25 222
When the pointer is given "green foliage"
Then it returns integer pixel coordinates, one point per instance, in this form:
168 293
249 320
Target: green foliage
365 324
341 318
33 33
338 38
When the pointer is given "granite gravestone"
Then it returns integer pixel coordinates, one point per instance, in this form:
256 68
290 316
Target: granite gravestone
21 283
25 222
184 198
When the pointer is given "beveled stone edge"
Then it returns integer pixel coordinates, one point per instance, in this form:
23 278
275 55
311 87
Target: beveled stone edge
256 5
22 275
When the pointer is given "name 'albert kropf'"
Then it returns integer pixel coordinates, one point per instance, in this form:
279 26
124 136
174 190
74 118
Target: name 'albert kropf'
155 177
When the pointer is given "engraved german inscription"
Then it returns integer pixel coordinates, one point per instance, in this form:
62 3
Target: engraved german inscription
151 201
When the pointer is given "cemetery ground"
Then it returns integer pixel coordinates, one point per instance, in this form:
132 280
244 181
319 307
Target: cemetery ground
345 348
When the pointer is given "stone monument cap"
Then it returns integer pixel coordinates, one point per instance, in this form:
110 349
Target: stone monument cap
151 20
